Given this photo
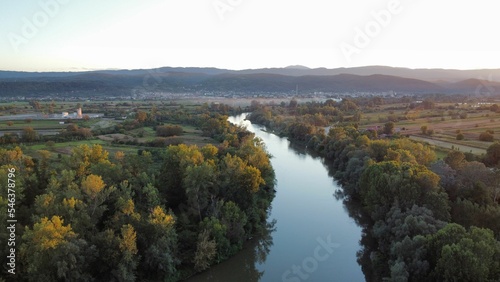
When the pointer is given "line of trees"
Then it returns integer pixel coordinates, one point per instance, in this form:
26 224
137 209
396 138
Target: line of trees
423 220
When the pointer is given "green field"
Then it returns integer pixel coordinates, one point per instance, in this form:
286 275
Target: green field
117 141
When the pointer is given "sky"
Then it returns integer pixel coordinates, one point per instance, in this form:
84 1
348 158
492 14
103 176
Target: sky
71 35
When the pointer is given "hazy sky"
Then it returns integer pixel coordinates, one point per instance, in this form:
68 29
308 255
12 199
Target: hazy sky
237 34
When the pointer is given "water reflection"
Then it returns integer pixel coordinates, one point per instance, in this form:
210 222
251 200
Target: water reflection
308 218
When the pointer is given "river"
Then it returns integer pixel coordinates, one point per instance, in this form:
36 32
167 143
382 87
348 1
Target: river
312 239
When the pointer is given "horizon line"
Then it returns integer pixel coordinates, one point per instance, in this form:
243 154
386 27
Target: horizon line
296 67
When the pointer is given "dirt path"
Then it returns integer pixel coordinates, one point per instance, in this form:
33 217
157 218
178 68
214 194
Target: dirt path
448 145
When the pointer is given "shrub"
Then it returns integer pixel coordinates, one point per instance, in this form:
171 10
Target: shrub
460 136
168 130
50 144
423 128
486 136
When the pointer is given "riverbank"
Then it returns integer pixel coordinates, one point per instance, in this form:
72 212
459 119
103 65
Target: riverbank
307 216
415 208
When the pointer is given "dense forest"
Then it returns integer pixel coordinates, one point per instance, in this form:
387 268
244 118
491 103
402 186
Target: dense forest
423 219
159 213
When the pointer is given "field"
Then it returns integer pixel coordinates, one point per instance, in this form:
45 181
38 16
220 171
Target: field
443 123
125 140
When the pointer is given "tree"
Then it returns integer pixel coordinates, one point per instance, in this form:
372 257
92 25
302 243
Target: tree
128 244
141 116
29 134
386 183
35 104
52 252
197 181
492 154
486 136
169 130
423 128
10 123
119 156
177 159
235 220
455 159
73 127
92 185
128 254
206 250
389 128
461 255
157 244
217 231
83 157
50 144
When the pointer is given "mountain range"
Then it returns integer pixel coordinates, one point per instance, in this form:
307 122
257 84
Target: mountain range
370 79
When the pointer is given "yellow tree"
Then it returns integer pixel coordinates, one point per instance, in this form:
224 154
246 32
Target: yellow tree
51 251
84 156
119 156
160 219
159 254
141 116
128 244
92 185
10 156
128 249
49 234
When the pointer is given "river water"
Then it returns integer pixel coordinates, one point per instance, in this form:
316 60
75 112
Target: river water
312 238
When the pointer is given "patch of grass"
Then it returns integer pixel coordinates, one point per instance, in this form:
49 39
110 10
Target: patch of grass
441 153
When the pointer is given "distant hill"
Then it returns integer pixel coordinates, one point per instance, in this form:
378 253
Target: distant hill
298 67
269 80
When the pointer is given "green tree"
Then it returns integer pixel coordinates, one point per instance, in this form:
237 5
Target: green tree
206 250
197 181
492 154
462 255
386 183
389 128
217 231
52 252
177 159
235 220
